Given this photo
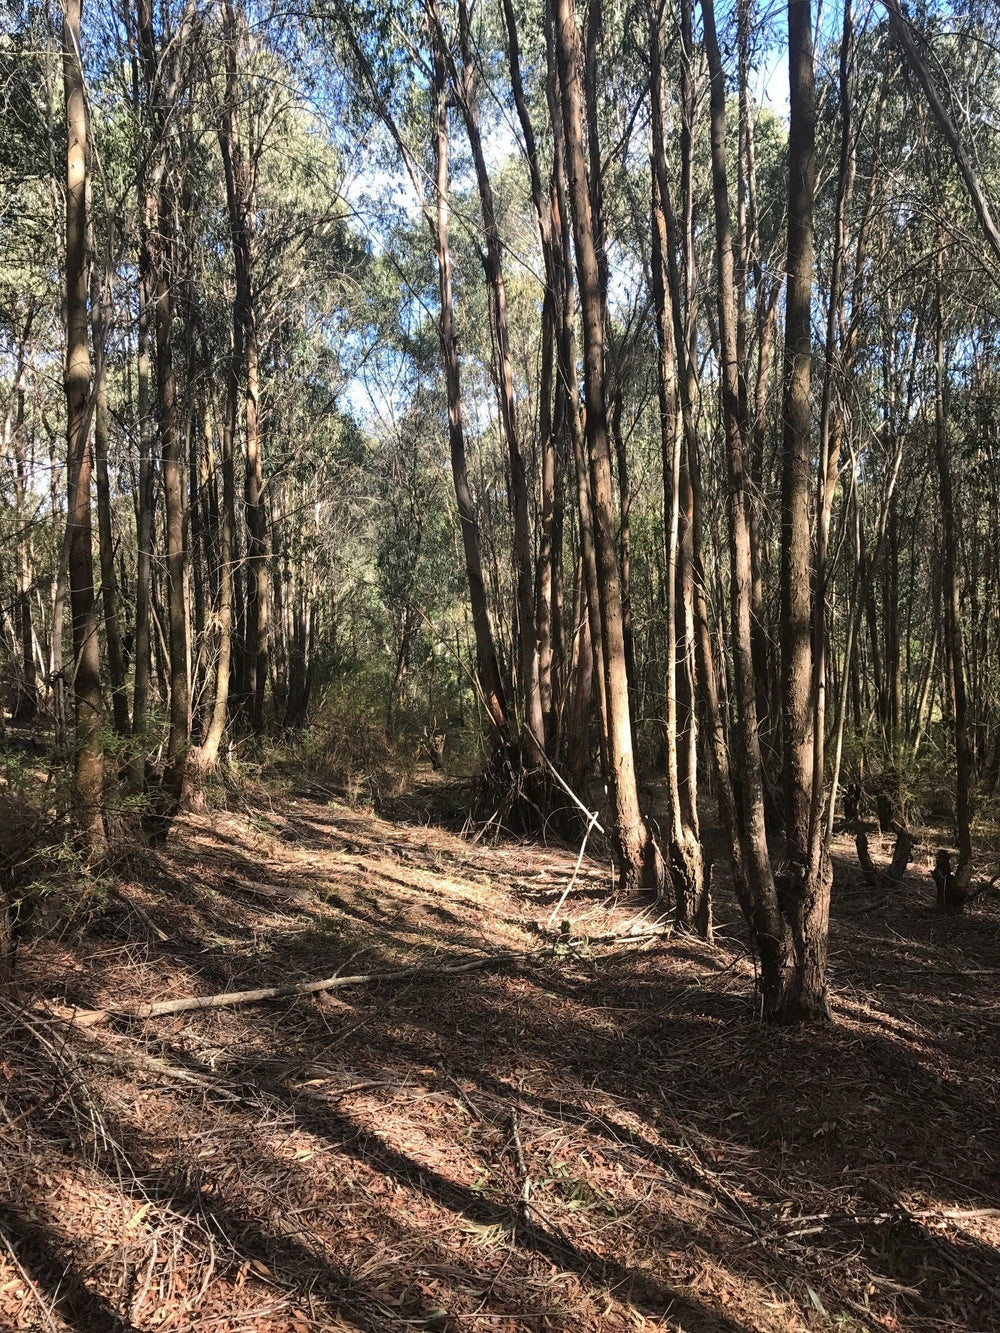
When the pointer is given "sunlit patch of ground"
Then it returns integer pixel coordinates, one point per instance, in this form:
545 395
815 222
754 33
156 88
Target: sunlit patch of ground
597 1136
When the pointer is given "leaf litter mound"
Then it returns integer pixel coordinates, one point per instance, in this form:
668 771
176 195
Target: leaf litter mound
588 1129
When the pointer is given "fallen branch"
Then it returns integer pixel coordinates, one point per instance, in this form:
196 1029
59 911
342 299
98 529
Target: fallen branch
591 814
140 912
576 870
151 1065
229 999
635 935
272 892
232 998
865 908
522 1167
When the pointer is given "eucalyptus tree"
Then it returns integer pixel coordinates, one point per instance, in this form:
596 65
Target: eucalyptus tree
640 863
87 700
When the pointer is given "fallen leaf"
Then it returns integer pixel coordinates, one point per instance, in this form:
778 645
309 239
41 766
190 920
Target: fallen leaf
137 1216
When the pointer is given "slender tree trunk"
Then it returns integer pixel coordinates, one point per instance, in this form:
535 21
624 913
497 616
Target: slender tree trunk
807 874
640 863
89 764
562 270
796 483
770 929
551 419
954 648
161 253
240 194
145 525
258 591
493 267
208 752
546 605
178 739
686 860
26 705
109 590
623 478
487 663
57 613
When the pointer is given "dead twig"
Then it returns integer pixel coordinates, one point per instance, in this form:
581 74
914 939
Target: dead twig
30 1284
591 814
140 912
150 1064
228 999
522 1168
901 1215
576 870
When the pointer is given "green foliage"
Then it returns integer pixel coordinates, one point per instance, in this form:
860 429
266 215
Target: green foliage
345 749
919 785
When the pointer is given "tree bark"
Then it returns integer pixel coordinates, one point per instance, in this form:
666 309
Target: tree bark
26 704
487 663
770 929
687 865
208 753
161 267
109 590
240 195
568 381
807 875
640 863
88 774
954 646
145 516
493 268
551 417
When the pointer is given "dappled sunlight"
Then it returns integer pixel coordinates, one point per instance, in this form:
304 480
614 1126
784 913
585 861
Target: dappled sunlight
587 1137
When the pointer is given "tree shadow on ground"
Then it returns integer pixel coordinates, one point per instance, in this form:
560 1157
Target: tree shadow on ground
680 1156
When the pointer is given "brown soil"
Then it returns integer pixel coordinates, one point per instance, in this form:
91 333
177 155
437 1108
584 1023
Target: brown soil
601 1137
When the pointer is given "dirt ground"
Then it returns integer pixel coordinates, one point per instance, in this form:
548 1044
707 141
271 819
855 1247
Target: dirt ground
595 1135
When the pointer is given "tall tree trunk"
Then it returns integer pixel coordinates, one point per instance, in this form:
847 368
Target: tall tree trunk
487 663
623 478
552 410
178 738
162 277
640 863
569 386
954 893
493 267
208 752
240 195
109 589
686 860
770 929
89 763
26 705
145 517
807 874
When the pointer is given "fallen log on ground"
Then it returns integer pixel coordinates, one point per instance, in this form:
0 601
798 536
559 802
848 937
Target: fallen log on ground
291 990
229 999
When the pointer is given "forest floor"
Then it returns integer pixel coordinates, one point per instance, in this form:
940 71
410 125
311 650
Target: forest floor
595 1134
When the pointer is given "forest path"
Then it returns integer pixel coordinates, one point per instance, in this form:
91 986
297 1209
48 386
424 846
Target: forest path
598 1137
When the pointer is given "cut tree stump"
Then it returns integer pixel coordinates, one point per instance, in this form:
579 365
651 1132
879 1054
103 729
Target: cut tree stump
896 869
